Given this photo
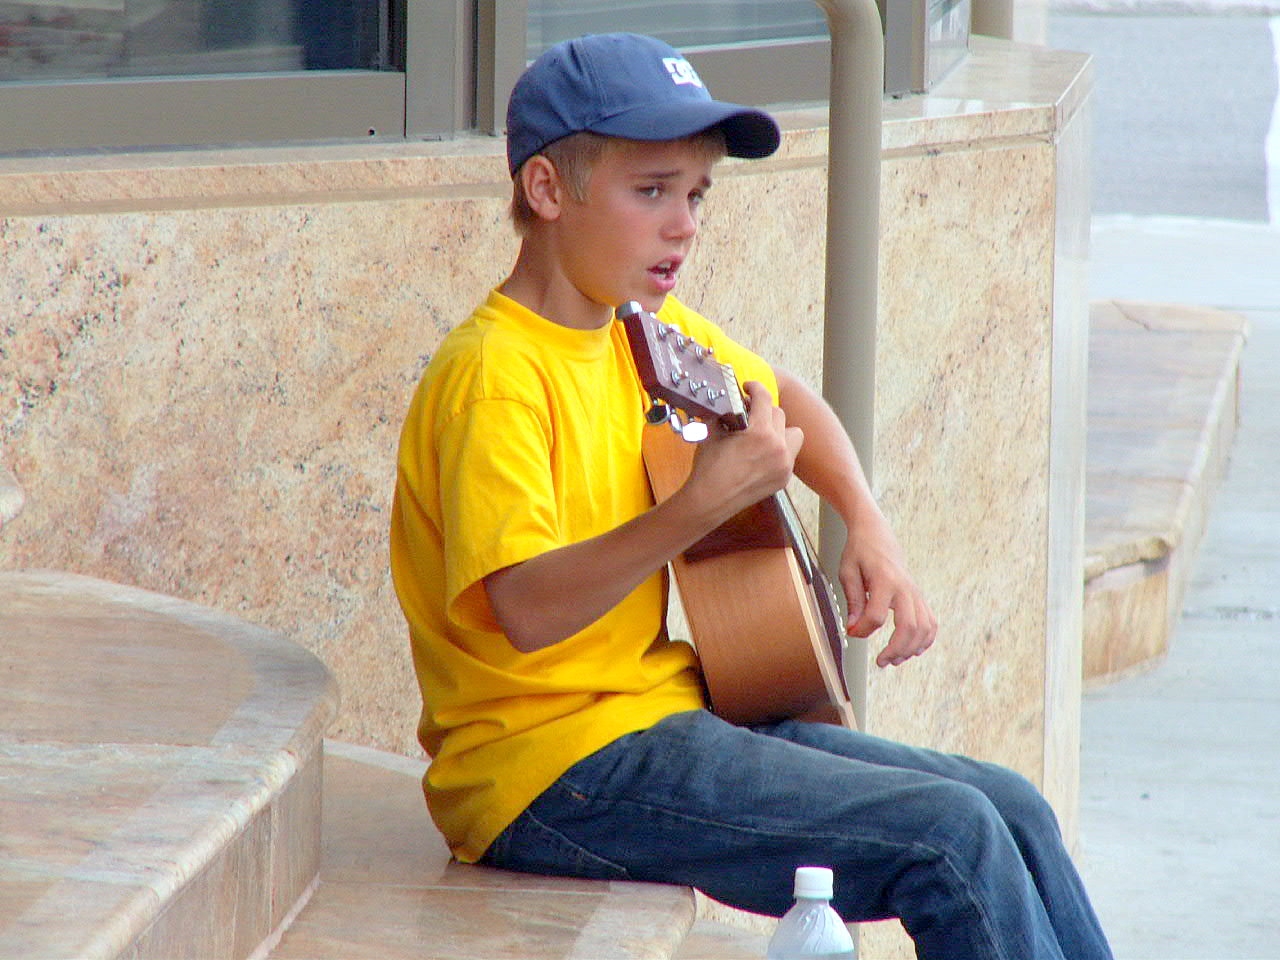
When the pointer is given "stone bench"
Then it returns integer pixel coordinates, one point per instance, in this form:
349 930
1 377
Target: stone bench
165 773
162 767
388 889
1162 416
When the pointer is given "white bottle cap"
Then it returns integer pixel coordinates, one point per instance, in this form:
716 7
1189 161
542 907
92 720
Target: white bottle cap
816 883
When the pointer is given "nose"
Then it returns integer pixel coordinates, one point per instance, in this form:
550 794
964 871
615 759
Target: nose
682 224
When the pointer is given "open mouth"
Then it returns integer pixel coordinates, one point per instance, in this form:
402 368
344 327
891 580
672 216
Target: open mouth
665 272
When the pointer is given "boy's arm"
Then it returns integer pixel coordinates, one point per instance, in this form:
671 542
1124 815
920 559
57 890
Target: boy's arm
552 596
872 568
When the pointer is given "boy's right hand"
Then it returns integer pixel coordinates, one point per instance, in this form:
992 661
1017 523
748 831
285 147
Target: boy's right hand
545 599
739 468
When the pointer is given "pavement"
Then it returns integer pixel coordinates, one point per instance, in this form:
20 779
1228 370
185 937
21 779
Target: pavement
1184 109
1180 783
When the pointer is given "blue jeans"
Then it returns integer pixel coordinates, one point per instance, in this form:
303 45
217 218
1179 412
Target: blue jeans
968 855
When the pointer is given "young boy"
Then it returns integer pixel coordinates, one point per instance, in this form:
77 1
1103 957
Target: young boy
568 734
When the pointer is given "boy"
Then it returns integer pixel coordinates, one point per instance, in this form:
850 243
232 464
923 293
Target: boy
568 735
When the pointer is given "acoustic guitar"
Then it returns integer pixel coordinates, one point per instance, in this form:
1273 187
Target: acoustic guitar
763 616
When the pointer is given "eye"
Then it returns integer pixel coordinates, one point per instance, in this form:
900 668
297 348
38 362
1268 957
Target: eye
652 191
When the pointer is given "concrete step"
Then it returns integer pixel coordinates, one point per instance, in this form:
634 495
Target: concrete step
161 770
721 933
388 890
1162 417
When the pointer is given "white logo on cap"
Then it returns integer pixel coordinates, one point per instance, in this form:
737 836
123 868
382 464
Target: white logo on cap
681 71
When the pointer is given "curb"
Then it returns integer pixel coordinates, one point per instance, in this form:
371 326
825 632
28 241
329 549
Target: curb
1167 8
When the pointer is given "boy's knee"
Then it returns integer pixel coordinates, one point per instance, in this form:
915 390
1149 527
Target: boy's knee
960 814
1021 804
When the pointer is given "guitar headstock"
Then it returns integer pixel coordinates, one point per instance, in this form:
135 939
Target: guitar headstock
681 372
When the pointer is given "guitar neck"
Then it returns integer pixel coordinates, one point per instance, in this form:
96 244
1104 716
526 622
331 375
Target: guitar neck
756 574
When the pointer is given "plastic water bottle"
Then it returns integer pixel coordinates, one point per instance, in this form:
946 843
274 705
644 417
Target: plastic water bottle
812 929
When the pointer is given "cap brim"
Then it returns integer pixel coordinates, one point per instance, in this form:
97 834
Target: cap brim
748 132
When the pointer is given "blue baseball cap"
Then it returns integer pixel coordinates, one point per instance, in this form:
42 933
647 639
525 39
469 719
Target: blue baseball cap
624 85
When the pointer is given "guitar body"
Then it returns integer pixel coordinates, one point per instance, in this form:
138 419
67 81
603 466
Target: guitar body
762 616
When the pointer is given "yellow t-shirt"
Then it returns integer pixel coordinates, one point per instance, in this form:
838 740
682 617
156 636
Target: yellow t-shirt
524 436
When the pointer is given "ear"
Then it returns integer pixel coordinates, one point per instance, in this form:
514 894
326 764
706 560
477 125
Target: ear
543 188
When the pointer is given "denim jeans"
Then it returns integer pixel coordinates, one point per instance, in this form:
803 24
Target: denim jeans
967 854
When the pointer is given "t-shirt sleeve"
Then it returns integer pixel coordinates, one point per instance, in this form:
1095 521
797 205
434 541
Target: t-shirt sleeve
498 504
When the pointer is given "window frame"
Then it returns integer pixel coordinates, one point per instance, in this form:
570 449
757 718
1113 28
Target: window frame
461 59
756 74
304 106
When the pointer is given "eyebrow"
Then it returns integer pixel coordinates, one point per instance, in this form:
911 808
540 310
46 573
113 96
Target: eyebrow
706 181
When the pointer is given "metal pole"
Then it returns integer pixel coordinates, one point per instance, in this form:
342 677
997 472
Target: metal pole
500 59
853 247
436 103
992 18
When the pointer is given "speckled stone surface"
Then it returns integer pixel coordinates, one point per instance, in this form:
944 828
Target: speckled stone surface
161 766
980 412
1163 412
388 889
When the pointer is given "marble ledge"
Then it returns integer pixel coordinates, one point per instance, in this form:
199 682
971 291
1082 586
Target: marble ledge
197 737
388 886
1001 91
1156 426
467 165
232 684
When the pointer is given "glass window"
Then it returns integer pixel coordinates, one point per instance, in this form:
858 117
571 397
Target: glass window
99 39
105 74
678 22
764 52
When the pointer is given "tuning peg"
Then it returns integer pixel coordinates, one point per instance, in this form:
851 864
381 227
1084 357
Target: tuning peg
691 431
658 413
694 431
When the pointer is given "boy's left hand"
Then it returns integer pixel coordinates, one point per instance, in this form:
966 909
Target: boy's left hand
876 582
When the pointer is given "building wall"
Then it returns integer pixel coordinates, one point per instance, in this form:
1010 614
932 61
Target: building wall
207 355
